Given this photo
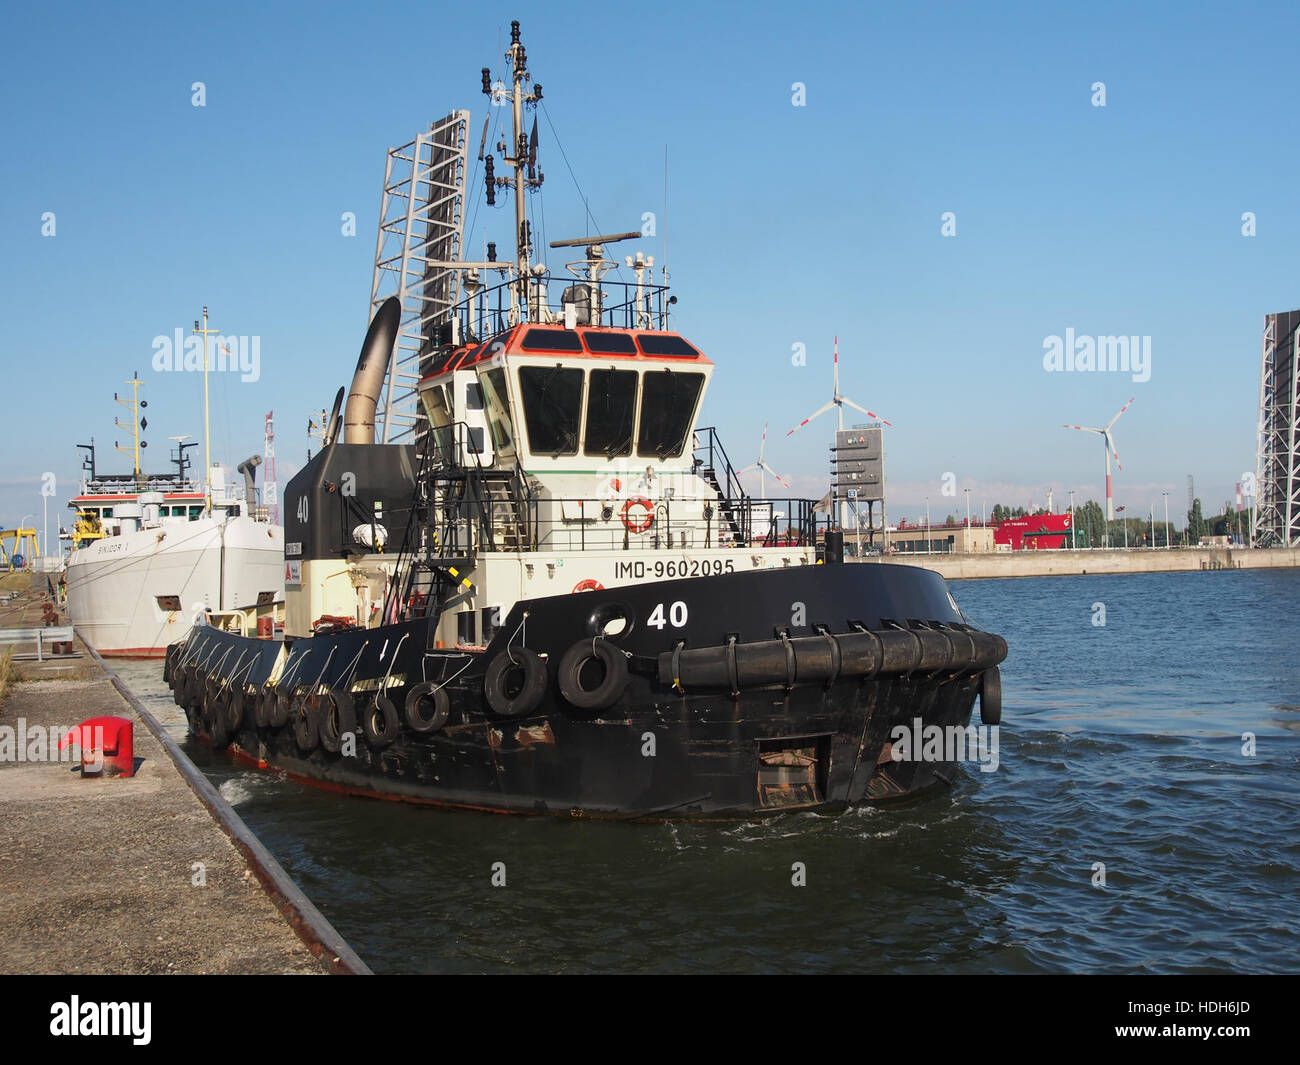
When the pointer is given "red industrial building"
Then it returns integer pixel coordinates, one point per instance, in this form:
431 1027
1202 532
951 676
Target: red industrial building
1038 532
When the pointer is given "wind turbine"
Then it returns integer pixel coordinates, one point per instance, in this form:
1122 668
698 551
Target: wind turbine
763 468
837 400
1109 442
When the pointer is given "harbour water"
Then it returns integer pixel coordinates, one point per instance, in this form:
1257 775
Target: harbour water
1130 704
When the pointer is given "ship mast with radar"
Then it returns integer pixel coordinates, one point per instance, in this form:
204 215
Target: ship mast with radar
523 162
529 290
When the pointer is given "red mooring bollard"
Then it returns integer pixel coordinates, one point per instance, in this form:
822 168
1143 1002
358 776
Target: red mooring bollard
107 746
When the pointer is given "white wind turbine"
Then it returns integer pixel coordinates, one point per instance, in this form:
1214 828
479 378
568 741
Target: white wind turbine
763 469
837 400
1109 442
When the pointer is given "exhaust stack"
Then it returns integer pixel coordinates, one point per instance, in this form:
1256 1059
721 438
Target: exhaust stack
249 469
372 365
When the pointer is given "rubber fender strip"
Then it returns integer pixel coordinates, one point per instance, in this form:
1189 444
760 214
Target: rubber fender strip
731 667
643 664
677 667
880 652
861 653
789 661
835 658
963 659
989 650
949 661
920 649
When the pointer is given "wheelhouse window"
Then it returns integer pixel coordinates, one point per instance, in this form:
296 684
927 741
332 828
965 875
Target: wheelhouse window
611 412
609 343
552 402
437 411
664 344
667 412
551 340
496 405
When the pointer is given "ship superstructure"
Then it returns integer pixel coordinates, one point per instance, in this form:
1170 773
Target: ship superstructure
154 554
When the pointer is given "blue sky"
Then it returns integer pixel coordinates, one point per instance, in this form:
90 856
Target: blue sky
786 224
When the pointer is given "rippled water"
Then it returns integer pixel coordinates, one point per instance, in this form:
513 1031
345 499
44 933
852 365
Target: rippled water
1121 744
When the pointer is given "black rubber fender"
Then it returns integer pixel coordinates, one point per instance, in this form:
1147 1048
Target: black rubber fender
193 699
265 698
306 722
208 709
194 691
380 721
427 707
236 702
607 692
183 680
991 696
215 720
531 689
338 717
280 707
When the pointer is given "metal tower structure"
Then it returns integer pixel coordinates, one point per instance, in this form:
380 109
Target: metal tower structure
421 228
270 489
1277 456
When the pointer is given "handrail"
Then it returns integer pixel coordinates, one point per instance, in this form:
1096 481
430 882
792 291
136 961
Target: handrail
496 308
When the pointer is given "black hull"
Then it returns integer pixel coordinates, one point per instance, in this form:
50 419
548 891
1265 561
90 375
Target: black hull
735 712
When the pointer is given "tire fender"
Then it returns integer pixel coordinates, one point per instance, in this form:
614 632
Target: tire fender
531 690
427 707
338 717
991 696
569 675
380 721
306 722
281 704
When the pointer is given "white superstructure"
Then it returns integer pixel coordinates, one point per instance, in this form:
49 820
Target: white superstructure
152 557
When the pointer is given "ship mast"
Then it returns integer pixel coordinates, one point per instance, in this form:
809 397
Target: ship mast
134 405
207 439
524 160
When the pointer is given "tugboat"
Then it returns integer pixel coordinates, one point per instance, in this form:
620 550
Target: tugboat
558 599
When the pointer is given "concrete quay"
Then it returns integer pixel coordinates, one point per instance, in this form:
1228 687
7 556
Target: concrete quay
1065 563
155 873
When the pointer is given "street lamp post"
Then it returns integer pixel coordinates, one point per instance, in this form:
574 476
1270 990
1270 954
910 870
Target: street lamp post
1074 542
1167 538
1153 525
927 525
21 526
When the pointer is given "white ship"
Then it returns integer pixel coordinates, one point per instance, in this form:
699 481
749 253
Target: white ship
154 555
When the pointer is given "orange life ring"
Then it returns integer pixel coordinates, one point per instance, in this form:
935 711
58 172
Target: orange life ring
639 526
589 585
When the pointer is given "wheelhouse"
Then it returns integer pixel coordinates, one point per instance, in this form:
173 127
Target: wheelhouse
567 400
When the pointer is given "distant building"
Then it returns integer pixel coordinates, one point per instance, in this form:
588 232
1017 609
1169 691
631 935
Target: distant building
955 539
